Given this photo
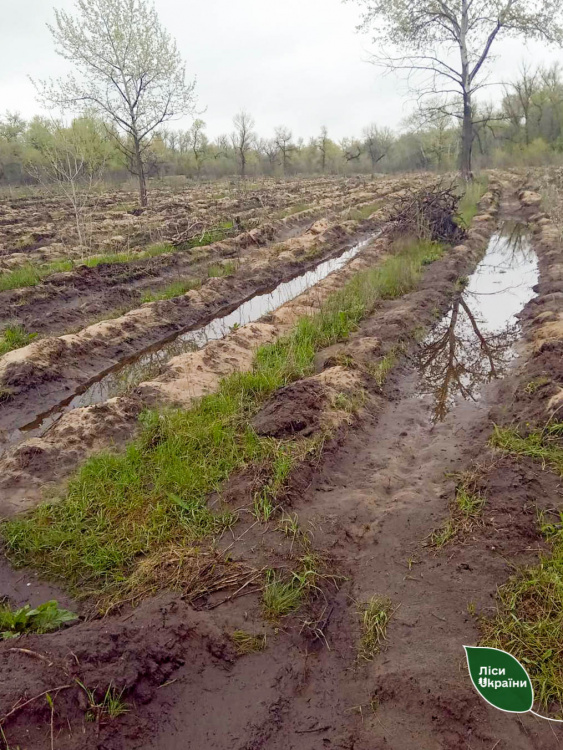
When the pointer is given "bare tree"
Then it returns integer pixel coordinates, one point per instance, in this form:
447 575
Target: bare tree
322 144
127 68
243 138
283 137
351 149
519 99
199 144
269 148
426 32
377 142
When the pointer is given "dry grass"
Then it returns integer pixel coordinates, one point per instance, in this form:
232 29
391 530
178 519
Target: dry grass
374 618
246 643
193 571
465 512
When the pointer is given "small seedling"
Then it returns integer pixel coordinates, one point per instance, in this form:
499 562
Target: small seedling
41 619
111 706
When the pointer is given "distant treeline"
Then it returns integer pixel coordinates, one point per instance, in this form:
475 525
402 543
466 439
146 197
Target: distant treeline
526 129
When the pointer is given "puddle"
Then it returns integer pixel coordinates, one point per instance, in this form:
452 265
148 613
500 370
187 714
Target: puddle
149 364
476 340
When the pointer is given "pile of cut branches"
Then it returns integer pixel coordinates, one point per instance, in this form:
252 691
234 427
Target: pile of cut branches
427 213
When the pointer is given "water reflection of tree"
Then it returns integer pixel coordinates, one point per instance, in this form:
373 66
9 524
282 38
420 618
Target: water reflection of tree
457 357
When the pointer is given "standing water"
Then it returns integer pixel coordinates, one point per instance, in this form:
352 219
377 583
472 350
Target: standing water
474 342
149 364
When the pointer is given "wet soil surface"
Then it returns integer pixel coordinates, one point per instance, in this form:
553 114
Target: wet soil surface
70 366
69 301
370 506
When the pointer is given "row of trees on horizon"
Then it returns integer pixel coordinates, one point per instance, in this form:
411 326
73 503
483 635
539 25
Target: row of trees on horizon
526 129
128 83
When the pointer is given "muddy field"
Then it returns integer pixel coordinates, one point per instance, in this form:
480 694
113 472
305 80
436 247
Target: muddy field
280 502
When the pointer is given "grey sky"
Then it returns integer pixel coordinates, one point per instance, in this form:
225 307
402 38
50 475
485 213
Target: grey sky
298 63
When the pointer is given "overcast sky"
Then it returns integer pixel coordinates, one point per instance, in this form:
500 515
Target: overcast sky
299 63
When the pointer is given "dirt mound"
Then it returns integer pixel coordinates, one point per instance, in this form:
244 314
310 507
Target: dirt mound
136 656
295 409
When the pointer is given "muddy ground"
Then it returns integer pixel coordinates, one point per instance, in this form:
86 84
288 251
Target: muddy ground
383 484
38 377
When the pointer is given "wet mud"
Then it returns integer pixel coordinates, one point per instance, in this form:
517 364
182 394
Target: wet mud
384 483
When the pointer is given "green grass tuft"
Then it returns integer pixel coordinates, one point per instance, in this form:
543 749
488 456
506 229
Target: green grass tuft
175 289
120 507
361 213
529 618
14 337
465 512
216 270
374 618
284 594
473 193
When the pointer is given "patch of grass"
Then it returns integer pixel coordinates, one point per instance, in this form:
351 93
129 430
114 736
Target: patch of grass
381 369
291 210
246 643
158 248
22 276
41 619
364 212
216 234
350 402
284 594
122 207
473 193
542 445
119 508
217 270
175 289
534 385
464 513
281 467
110 706
529 618
374 618
31 274
14 337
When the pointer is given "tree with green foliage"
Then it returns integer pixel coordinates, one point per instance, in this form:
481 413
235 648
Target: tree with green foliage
127 68
426 34
72 159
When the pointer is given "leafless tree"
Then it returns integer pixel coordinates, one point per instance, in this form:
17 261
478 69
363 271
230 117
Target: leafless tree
426 33
269 148
199 144
126 67
322 144
351 149
519 99
283 137
243 138
377 142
